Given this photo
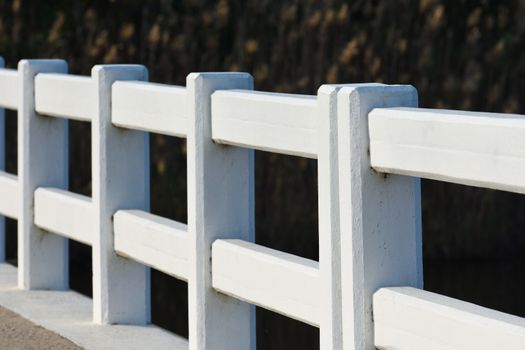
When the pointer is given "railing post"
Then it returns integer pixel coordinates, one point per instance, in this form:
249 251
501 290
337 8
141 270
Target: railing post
220 205
380 215
120 181
42 161
2 167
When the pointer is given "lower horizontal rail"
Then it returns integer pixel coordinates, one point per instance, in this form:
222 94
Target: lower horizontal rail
410 318
277 281
154 241
65 213
9 195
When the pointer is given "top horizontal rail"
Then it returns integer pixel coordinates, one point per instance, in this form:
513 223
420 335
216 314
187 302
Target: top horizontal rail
9 88
64 95
470 148
150 107
280 123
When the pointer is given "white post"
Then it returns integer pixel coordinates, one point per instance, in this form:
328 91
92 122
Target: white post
329 239
2 167
220 205
120 181
42 161
380 215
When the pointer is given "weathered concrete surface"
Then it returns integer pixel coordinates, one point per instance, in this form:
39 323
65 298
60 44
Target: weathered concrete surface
17 333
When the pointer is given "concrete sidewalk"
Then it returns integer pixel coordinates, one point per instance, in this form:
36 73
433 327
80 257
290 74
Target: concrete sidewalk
69 314
17 333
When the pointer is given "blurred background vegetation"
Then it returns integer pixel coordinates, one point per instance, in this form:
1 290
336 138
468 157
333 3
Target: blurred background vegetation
458 54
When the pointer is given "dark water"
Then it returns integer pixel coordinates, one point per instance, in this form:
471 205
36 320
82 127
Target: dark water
496 284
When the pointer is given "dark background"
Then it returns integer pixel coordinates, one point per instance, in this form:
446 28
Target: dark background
458 54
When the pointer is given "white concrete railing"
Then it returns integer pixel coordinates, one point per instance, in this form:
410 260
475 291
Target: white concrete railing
364 292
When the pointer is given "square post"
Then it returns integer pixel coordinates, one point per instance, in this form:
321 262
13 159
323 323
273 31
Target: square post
380 215
120 181
42 161
220 205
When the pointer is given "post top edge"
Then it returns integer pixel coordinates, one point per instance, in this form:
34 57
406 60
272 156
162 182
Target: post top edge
350 89
217 75
117 67
54 63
